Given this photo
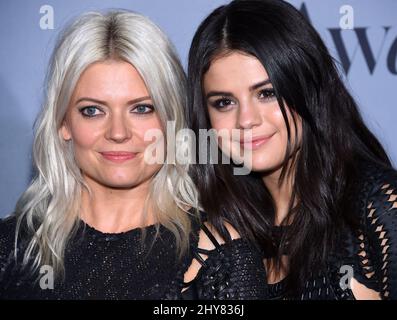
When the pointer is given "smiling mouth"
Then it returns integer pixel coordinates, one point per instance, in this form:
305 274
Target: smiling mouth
119 156
255 143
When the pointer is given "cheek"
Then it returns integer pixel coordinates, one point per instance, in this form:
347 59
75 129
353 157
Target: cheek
85 136
275 117
277 120
147 127
222 120
295 129
146 122
224 124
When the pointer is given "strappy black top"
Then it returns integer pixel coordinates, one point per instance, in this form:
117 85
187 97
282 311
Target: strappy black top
122 266
368 254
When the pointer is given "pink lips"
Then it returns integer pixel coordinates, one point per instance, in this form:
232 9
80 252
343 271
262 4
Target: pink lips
255 142
118 156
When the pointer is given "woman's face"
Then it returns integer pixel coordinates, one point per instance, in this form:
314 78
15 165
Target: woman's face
240 96
109 113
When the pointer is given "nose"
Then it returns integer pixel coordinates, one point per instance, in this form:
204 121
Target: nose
248 116
118 129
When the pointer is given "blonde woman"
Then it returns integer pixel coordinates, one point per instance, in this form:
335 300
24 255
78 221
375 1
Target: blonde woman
100 221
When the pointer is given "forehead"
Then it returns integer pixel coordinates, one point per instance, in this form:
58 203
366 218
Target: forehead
110 77
235 69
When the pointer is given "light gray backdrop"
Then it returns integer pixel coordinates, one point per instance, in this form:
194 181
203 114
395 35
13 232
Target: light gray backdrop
368 55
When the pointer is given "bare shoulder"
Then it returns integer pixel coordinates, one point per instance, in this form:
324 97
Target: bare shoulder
206 243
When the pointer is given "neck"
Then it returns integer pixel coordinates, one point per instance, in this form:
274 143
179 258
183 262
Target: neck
281 193
113 210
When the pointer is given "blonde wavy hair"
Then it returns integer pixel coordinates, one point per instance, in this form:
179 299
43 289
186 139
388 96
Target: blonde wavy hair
49 208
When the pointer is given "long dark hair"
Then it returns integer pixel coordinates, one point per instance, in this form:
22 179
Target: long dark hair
334 136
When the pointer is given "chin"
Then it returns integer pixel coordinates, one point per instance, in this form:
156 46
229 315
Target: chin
265 166
121 185
118 182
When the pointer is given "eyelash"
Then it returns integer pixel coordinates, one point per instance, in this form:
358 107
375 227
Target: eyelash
149 106
217 103
84 109
268 94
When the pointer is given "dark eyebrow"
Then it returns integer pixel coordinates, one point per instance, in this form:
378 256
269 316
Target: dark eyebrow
259 84
229 94
104 102
218 93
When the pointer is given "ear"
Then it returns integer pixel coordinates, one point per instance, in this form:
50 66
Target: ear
65 131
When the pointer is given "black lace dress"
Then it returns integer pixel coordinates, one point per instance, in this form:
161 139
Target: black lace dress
369 254
120 266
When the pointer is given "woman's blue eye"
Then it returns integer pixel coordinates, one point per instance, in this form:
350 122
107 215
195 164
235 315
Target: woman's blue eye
267 94
143 109
90 111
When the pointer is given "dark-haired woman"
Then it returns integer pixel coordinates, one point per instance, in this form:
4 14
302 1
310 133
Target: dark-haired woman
321 198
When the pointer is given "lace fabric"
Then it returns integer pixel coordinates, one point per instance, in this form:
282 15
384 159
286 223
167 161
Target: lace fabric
119 266
105 266
230 271
371 251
